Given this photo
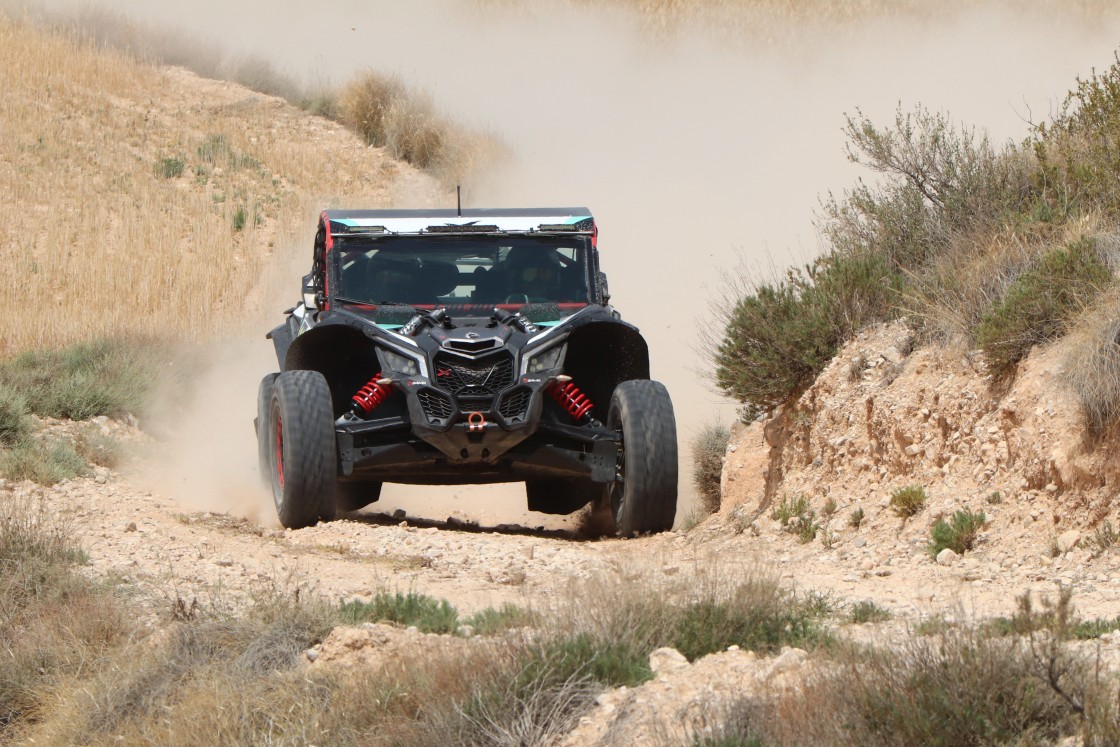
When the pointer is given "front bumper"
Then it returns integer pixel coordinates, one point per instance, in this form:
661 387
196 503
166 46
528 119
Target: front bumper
392 450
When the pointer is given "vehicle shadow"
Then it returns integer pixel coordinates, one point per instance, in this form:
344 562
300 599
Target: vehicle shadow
586 531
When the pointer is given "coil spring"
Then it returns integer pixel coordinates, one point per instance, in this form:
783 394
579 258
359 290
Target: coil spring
369 396
571 399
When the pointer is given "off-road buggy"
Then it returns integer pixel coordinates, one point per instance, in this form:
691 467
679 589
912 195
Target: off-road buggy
474 346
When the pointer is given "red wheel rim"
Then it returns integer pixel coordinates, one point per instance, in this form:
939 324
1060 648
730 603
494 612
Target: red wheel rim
280 451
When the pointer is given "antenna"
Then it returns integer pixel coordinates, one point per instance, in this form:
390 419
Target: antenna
458 200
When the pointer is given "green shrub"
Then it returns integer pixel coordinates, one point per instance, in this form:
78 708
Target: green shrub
707 464
14 423
170 168
1039 304
1079 151
777 341
427 614
491 621
613 663
98 448
790 508
908 501
41 462
856 518
105 377
958 534
239 218
709 626
807 528
867 611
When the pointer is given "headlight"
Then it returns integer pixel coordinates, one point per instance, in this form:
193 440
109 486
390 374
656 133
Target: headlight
399 363
546 359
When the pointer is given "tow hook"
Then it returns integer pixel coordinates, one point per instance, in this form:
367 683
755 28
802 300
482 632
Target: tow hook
476 422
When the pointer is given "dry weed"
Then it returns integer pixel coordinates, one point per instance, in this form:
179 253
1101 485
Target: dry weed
1092 360
105 241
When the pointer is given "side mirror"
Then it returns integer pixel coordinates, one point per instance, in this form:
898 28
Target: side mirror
310 297
604 291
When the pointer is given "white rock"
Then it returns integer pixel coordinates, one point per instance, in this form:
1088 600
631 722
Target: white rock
1068 540
667 660
947 557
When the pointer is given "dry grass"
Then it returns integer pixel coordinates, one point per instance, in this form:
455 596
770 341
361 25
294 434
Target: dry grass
1092 361
53 623
708 450
106 244
404 121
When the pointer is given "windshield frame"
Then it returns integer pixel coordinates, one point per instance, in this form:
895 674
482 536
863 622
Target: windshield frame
583 290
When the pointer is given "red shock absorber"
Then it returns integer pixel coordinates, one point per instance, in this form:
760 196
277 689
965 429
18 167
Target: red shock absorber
369 396
571 399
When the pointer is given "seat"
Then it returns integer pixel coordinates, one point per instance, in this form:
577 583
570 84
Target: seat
391 280
487 285
439 278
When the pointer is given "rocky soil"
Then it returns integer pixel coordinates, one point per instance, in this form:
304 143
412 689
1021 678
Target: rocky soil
879 418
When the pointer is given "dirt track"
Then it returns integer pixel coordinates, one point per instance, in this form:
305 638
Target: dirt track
165 550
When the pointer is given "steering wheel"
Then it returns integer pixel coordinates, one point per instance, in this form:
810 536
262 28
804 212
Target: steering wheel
524 298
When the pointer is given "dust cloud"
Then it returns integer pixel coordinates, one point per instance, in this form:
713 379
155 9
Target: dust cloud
692 152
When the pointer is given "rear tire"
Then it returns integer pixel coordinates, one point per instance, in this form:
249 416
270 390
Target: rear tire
643 497
352 496
562 496
302 454
264 446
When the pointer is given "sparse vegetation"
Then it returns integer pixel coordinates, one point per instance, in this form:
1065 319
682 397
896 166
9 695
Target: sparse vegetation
908 501
789 508
387 114
56 623
491 621
1039 303
104 377
45 462
170 168
409 609
999 246
958 534
867 611
707 464
1104 537
855 519
14 423
952 685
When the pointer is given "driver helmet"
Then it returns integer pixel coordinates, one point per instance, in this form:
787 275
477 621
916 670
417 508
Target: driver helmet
530 270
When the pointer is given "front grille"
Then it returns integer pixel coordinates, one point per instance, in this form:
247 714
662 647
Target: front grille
514 404
473 404
474 378
436 405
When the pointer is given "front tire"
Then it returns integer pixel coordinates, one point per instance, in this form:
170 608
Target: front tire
302 455
264 441
643 496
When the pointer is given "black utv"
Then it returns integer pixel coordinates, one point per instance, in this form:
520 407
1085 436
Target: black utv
476 346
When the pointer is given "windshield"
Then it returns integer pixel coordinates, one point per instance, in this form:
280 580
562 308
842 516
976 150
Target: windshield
461 273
